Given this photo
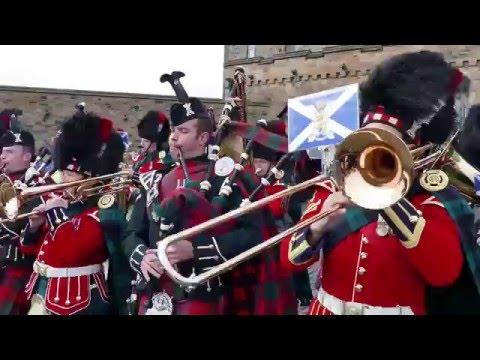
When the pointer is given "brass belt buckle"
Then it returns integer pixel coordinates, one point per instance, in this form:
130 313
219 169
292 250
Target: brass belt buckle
41 269
352 308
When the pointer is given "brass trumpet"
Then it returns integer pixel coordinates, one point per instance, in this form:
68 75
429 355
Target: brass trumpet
83 189
373 167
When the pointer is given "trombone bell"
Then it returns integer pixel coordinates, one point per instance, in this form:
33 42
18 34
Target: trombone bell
13 197
376 167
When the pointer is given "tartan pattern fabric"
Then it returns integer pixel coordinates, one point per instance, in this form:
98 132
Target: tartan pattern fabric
196 307
275 292
259 135
262 276
13 300
232 237
463 216
186 199
258 286
114 226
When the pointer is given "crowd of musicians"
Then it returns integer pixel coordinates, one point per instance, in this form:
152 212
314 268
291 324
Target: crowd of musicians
82 251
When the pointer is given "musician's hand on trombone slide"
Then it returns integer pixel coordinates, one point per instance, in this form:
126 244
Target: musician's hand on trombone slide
320 227
180 251
38 219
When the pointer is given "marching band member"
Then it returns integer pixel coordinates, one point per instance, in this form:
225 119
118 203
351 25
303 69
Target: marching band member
153 130
18 149
191 131
264 159
151 165
385 262
153 161
463 169
73 239
9 121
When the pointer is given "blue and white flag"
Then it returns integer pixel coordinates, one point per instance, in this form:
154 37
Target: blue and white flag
324 118
125 138
477 184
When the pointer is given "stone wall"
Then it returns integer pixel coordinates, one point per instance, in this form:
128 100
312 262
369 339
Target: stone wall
44 109
311 68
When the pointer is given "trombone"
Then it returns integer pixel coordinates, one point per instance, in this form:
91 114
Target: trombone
84 189
373 167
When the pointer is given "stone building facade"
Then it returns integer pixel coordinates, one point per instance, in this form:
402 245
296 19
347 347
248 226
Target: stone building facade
278 72
45 109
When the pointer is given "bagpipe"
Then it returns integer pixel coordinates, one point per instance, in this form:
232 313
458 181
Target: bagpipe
41 168
234 109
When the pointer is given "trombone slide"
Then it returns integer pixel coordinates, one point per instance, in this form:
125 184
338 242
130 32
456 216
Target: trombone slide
194 281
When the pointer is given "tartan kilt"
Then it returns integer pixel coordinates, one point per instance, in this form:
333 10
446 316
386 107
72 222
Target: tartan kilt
196 307
13 299
275 289
239 289
260 286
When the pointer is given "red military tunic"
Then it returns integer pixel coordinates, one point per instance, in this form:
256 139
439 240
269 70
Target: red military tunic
76 243
379 270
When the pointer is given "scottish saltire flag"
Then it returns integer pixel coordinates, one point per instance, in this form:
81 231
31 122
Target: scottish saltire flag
324 118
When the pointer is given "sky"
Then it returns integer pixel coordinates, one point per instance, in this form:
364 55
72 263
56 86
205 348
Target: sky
114 68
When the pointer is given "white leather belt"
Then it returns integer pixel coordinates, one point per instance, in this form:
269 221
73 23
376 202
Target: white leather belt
340 307
51 272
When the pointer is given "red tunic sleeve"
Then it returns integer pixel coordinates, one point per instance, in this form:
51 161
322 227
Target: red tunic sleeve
438 255
30 243
295 252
